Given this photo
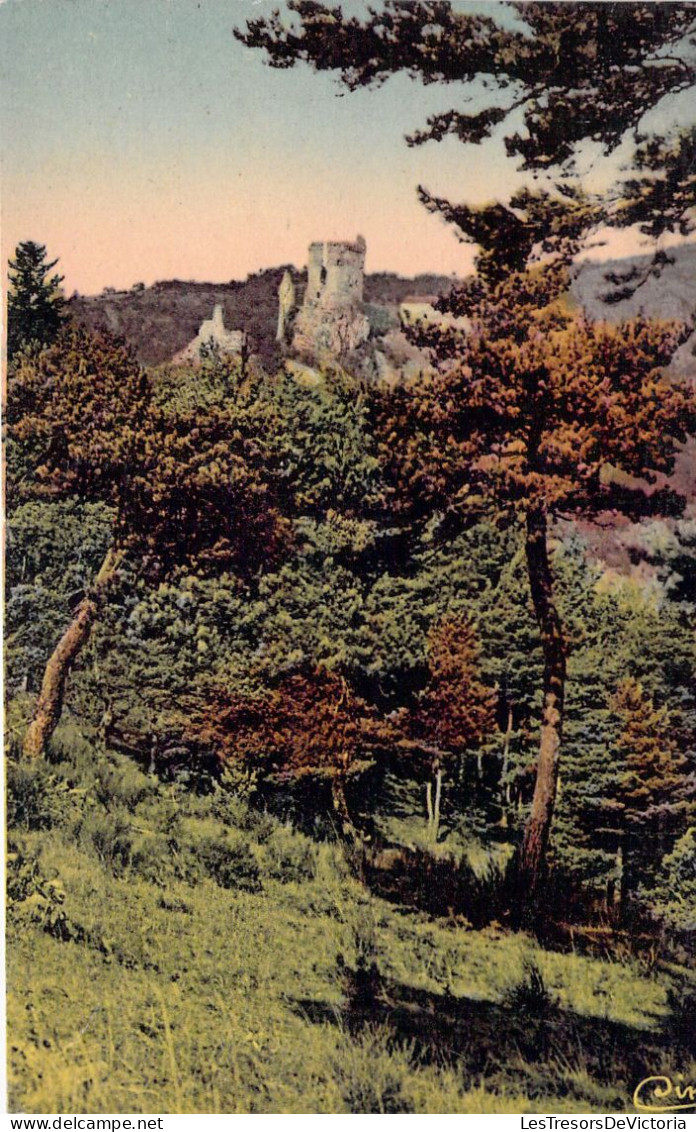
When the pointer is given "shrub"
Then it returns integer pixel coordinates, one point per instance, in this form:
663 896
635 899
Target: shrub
442 884
18 712
530 997
69 746
680 1020
289 857
33 897
229 864
110 835
674 898
122 784
239 782
36 798
155 857
258 823
373 1078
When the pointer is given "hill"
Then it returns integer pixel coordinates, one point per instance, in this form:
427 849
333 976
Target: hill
667 293
159 321
173 952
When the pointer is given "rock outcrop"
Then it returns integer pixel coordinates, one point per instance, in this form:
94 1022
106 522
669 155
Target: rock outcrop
287 303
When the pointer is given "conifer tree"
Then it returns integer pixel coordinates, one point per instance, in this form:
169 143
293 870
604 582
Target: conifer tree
189 486
305 725
533 408
35 302
648 789
455 710
573 76
529 411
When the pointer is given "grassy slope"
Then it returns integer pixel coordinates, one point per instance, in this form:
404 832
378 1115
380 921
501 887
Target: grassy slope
173 993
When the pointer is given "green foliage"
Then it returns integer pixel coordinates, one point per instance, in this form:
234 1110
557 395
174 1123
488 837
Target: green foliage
109 833
35 302
530 997
325 647
288 857
35 898
53 552
36 798
230 864
373 1078
534 410
330 459
199 996
673 895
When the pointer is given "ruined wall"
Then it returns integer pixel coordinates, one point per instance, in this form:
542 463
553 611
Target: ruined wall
212 330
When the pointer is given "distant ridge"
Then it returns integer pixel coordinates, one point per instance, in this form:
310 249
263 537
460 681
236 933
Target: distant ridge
668 294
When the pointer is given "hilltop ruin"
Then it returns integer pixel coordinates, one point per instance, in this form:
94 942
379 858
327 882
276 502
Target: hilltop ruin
214 335
331 320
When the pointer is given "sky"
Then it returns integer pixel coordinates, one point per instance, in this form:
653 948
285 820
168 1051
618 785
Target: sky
140 141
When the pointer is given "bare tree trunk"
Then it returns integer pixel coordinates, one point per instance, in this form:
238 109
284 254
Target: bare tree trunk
536 834
429 802
436 805
506 797
506 756
340 806
50 702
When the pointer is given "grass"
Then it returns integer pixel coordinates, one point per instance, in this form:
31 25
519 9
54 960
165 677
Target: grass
168 953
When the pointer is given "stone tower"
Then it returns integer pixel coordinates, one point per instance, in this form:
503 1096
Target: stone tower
335 273
332 320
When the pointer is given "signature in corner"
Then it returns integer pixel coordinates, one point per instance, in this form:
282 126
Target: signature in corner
663 1094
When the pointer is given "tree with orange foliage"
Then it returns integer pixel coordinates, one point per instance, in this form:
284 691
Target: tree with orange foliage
303 725
532 410
454 711
538 412
193 486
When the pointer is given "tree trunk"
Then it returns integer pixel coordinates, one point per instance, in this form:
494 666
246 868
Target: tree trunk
506 797
627 882
340 806
50 702
436 803
536 834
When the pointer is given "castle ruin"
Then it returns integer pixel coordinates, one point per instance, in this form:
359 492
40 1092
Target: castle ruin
213 334
331 321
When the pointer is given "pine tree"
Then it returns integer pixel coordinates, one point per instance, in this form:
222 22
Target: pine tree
648 787
193 486
455 710
591 73
35 302
305 725
530 411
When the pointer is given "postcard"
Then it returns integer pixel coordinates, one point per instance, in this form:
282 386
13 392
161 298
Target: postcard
350 475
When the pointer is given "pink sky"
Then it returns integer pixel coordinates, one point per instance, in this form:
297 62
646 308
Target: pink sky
142 142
